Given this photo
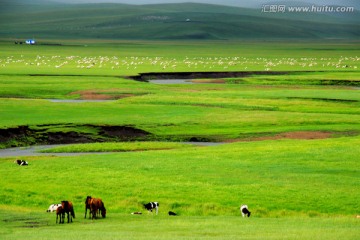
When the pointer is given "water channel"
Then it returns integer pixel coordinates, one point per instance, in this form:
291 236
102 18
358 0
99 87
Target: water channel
172 81
35 150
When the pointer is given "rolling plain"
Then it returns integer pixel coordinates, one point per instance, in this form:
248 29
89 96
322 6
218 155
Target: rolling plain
288 127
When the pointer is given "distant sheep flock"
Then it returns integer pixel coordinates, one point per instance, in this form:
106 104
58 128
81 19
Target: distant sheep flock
164 63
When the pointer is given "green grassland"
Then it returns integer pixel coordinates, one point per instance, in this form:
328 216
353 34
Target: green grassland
116 147
323 98
295 188
126 227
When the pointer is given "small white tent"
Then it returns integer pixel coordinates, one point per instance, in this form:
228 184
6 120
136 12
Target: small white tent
30 41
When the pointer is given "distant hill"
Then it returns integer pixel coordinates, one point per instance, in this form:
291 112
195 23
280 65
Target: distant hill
41 19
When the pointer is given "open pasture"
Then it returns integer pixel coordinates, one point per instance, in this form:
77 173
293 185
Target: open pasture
213 113
291 150
292 187
323 98
125 227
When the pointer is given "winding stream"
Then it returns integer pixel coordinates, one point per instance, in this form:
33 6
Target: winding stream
172 81
35 150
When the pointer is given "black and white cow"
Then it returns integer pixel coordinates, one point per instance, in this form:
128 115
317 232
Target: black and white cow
151 206
245 211
21 162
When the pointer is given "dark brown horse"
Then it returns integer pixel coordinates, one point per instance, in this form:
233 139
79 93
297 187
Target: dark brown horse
68 209
96 206
60 213
87 205
103 210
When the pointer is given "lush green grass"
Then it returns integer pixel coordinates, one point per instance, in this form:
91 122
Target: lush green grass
290 186
116 147
149 227
183 111
224 116
121 58
271 175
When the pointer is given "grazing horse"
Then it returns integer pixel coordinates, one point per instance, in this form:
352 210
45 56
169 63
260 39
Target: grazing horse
87 205
245 210
60 213
68 209
96 206
151 206
103 210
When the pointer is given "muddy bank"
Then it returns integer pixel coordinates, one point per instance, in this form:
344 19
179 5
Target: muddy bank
198 75
304 135
298 135
69 133
105 94
50 134
220 78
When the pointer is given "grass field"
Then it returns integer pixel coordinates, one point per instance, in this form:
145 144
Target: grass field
125 227
297 102
291 140
294 188
123 58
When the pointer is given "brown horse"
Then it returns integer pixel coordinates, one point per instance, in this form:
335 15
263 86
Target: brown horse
96 206
68 209
103 210
60 213
87 205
